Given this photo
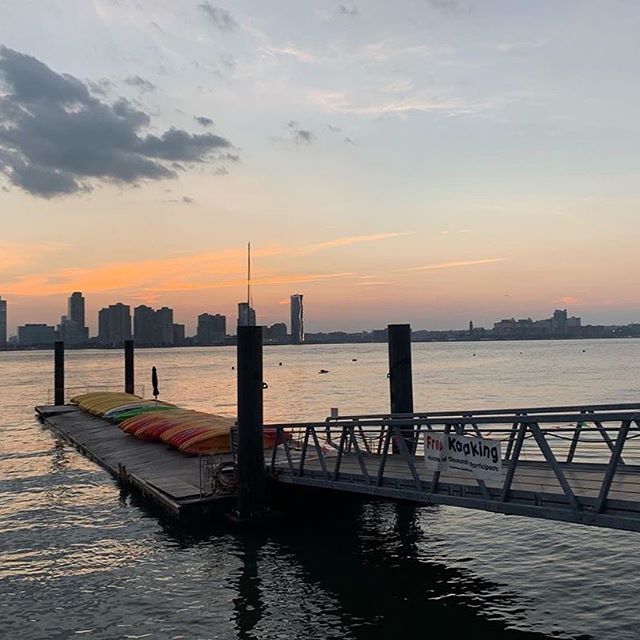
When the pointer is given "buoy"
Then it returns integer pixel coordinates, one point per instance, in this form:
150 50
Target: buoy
279 364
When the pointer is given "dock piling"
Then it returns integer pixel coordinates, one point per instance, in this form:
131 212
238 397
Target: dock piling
129 386
128 367
250 420
58 373
400 374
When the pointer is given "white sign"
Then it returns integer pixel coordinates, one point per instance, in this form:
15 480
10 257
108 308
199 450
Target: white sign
480 456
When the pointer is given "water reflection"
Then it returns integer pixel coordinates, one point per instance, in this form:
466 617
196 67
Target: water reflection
248 605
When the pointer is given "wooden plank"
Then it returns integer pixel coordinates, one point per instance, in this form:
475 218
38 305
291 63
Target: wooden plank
166 475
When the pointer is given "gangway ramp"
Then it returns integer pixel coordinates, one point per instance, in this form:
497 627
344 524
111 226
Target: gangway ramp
573 463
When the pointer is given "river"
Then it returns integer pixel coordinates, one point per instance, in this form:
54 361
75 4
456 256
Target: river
80 558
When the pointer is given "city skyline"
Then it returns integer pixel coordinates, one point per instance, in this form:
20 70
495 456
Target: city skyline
411 162
156 327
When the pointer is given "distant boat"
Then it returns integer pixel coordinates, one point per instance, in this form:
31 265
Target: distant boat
323 371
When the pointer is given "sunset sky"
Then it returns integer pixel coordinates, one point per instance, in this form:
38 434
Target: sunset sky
425 161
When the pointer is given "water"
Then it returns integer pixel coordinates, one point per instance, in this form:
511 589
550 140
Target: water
78 558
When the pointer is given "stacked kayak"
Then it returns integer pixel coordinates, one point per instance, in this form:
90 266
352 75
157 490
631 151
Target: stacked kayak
192 432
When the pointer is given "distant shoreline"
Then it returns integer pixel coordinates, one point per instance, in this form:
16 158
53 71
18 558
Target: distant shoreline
14 348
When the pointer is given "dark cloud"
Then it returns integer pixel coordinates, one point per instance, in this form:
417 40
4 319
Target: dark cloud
348 10
205 122
220 17
449 7
298 135
144 85
56 138
304 136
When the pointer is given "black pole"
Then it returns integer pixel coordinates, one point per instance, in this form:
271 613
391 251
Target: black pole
250 416
400 376
58 373
128 367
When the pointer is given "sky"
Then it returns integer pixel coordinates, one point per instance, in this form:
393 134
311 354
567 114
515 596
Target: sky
421 161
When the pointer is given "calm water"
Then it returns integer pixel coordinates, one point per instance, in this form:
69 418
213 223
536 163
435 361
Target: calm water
78 558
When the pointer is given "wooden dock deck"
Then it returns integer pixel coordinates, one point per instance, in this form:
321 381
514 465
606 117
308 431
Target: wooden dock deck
168 477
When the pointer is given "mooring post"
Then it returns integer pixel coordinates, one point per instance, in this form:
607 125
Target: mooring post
400 375
58 373
128 367
250 416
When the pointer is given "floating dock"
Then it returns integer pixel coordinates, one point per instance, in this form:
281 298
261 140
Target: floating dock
179 484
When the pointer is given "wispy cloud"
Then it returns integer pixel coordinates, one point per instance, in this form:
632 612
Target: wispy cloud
349 240
340 102
453 265
178 272
14 256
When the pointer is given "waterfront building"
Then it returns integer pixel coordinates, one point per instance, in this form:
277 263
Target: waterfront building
143 325
36 335
75 308
71 332
114 325
246 315
3 322
212 329
178 335
163 327
297 319
276 333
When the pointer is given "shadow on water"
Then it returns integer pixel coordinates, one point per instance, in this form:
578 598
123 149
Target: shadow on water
367 564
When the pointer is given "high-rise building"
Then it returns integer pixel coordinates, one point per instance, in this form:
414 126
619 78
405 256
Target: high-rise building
143 322
36 335
178 335
212 329
75 309
559 322
246 315
276 333
163 327
297 319
114 325
72 333
3 322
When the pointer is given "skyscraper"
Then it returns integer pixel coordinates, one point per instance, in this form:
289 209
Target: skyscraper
297 319
76 308
71 329
143 325
163 326
246 315
3 322
114 325
212 329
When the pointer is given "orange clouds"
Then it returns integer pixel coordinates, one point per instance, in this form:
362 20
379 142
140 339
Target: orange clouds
145 279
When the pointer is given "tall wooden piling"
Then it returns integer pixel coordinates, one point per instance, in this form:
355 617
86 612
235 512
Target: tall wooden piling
250 419
400 374
128 367
58 373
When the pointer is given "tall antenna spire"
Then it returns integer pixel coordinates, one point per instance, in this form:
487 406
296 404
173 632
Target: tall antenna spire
249 300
